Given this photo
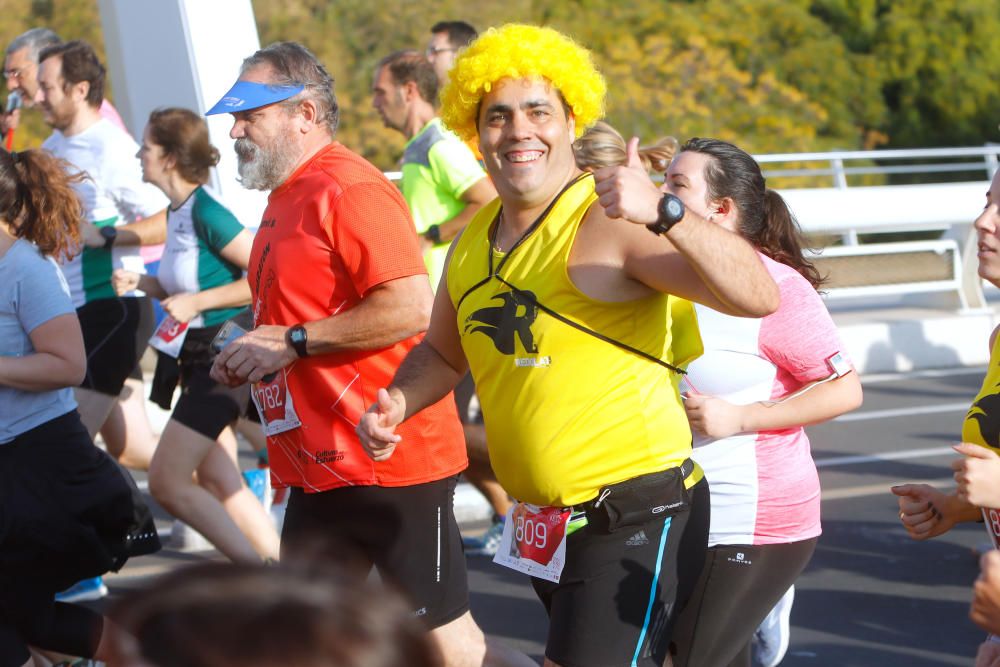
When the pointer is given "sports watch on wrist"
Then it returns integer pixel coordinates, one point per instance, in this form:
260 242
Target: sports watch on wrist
433 234
109 234
296 337
669 212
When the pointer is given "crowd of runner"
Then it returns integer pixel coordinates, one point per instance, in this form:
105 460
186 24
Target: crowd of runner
634 365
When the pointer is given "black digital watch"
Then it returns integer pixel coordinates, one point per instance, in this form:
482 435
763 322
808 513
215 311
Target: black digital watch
669 212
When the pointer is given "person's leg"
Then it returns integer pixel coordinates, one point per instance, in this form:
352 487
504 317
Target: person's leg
463 644
615 600
220 475
480 473
128 436
115 332
94 408
171 481
739 586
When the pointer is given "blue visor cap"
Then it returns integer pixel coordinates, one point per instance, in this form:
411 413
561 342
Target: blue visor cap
246 95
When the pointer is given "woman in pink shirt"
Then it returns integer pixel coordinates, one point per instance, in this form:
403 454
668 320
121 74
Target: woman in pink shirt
747 398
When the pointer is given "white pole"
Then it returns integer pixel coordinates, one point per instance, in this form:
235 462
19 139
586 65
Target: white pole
184 53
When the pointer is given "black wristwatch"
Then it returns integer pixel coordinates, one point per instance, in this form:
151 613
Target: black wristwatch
109 234
296 337
433 234
669 212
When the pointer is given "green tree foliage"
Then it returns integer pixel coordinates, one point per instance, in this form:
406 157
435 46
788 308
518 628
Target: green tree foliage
70 19
941 71
772 75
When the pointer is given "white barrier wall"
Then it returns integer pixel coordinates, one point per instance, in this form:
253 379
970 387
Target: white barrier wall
183 53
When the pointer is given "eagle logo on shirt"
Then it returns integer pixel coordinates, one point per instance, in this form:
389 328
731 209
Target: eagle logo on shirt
512 318
986 412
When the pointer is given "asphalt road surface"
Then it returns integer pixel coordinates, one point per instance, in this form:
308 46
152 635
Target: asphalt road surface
871 596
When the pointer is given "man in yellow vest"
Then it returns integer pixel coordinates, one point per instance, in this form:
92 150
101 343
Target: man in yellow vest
567 316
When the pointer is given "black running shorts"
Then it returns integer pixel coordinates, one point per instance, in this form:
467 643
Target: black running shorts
616 601
115 334
408 533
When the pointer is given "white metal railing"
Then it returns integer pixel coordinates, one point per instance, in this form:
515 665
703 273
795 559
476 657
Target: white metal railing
849 210
987 163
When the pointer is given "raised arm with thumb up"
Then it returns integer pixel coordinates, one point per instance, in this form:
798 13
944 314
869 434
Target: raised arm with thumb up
627 191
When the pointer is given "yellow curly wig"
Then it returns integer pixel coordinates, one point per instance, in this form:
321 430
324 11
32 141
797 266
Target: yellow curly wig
521 51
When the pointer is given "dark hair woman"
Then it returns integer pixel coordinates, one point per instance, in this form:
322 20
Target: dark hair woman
759 382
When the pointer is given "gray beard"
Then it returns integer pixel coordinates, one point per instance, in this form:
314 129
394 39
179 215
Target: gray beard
262 168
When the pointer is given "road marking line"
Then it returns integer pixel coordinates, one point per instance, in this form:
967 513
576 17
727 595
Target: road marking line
883 456
875 378
878 489
902 412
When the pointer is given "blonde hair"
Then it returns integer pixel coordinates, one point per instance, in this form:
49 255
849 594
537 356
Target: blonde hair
603 146
521 51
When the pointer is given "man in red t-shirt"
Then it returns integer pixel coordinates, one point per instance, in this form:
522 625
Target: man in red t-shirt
340 296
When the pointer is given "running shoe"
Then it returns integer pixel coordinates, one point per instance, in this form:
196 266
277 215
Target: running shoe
770 641
256 480
87 589
488 543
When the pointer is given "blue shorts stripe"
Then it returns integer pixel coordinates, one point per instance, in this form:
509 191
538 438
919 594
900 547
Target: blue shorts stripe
652 591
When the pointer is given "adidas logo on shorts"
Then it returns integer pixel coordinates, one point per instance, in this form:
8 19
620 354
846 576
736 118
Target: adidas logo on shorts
637 540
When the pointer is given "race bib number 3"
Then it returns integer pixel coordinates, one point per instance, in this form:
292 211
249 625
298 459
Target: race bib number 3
274 405
534 541
169 336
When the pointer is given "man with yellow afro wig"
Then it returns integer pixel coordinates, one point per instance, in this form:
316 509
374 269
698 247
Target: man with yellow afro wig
562 311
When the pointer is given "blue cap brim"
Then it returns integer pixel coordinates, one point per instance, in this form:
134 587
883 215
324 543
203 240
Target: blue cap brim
246 95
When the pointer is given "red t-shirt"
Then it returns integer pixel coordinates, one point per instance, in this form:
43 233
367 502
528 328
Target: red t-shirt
332 231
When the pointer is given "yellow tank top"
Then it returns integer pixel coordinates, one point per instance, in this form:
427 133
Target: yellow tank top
982 422
567 413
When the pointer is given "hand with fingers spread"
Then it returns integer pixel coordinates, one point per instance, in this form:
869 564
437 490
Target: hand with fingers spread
377 427
627 192
977 474
924 511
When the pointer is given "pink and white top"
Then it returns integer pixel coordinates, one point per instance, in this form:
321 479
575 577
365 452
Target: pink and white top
764 485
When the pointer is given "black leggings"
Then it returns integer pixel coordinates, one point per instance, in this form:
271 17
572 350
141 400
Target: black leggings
64 628
738 587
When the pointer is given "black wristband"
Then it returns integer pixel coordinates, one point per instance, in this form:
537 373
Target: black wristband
109 233
433 234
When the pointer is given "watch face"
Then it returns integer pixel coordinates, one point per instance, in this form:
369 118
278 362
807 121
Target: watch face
675 208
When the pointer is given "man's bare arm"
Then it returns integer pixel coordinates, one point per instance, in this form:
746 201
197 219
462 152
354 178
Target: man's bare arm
390 312
728 266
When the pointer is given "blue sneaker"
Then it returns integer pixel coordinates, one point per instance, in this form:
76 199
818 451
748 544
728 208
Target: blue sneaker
487 545
86 589
770 641
256 480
